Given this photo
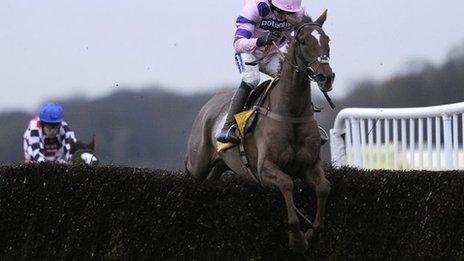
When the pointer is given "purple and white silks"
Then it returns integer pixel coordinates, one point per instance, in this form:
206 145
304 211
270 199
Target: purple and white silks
255 20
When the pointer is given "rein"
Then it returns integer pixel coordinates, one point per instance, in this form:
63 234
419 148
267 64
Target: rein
265 53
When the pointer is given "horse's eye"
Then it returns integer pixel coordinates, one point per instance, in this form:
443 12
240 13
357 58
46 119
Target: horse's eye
303 41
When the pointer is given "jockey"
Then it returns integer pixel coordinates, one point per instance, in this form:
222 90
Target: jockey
260 24
48 136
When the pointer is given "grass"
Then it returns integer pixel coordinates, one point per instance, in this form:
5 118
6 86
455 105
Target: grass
404 160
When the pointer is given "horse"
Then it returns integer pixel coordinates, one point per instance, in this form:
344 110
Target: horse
83 153
285 142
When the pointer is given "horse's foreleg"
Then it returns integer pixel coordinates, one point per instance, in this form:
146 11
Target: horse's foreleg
272 175
316 178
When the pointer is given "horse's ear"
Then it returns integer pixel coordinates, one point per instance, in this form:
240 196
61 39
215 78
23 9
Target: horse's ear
320 21
92 143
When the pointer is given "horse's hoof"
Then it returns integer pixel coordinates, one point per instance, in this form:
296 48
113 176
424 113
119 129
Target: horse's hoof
297 242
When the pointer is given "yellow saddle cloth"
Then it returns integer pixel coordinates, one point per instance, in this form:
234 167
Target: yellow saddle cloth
242 118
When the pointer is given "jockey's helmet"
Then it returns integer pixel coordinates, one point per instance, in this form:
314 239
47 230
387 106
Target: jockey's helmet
290 6
51 113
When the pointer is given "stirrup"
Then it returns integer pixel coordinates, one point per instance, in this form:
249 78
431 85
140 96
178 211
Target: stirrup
228 135
231 135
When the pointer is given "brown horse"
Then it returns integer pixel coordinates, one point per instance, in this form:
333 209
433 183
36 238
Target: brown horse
285 143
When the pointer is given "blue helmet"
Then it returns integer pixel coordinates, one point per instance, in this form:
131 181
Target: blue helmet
51 113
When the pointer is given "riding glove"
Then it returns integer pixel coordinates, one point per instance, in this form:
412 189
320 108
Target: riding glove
268 39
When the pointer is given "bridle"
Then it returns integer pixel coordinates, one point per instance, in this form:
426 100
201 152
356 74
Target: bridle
82 151
322 59
308 70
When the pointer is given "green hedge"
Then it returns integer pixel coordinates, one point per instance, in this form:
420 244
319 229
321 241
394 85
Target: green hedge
50 211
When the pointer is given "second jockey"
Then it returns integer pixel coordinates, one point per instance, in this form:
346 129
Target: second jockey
261 26
48 136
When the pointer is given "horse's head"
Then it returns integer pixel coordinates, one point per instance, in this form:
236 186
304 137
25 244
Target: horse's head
83 153
312 51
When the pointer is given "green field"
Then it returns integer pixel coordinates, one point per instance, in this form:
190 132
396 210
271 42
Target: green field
404 161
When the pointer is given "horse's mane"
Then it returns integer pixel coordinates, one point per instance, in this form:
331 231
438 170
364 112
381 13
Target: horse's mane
307 19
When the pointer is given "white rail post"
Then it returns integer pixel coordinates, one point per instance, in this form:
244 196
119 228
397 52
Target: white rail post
370 133
348 142
387 143
455 142
412 143
363 143
429 143
447 131
337 147
438 141
378 134
395 144
421 143
357 143
462 129
403 144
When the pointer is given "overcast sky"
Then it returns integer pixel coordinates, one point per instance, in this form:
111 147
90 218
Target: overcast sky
63 48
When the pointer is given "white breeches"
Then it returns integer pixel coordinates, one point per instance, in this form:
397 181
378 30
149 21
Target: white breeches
269 65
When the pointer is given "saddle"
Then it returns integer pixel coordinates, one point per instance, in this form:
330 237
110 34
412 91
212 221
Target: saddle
247 118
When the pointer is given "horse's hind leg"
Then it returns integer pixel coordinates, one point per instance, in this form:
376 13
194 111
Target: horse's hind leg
219 168
199 159
316 179
198 165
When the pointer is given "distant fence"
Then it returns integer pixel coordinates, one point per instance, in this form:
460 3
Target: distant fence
402 138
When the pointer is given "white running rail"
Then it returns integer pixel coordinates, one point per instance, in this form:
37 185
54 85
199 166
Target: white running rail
427 138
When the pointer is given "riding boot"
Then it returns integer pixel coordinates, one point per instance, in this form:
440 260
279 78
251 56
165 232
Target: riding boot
227 133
